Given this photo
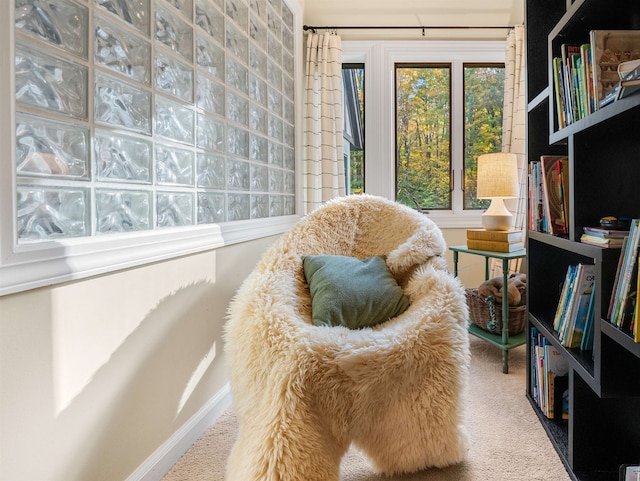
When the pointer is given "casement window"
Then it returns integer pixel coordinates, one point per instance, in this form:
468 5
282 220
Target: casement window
431 107
144 129
353 100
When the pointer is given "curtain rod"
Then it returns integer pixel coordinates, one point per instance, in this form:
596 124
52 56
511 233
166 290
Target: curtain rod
401 27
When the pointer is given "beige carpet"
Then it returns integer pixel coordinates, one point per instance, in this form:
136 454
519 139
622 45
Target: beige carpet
508 442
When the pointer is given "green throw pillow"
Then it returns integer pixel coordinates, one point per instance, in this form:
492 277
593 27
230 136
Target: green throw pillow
351 292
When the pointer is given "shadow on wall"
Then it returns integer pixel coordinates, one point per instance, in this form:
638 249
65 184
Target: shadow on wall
148 380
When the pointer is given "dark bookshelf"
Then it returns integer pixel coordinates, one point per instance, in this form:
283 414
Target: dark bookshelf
556 429
603 429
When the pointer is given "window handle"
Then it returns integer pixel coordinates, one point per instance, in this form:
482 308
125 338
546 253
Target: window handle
461 181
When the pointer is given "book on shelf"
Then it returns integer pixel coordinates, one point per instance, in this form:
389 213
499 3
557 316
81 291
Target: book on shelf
570 58
629 83
495 235
627 315
534 192
573 83
558 88
549 376
583 311
635 328
586 344
605 233
555 366
620 91
572 311
609 48
629 472
629 71
585 49
627 90
494 246
555 185
565 295
605 242
617 277
622 301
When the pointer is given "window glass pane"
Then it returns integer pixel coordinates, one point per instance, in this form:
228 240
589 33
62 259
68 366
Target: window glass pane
121 104
483 103
210 19
121 51
139 114
353 149
51 149
174 208
52 212
48 82
122 211
134 12
122 158
173 32
62 23
174 77
423 133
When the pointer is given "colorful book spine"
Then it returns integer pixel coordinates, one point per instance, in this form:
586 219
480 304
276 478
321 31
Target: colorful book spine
580 309
564 296
628 267
559 94
586 344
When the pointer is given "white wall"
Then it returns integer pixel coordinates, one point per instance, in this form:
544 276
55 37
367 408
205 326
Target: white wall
95 375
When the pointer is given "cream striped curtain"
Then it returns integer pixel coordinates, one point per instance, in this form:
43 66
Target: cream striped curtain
323 160
514 131
514 114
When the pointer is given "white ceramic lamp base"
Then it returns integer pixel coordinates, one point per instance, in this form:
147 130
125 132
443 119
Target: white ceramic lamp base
497 216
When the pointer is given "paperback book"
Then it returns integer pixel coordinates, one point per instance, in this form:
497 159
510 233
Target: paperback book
549 376
495 235
623 296
629 83
606 233
555 182
573 308
494 246
604 242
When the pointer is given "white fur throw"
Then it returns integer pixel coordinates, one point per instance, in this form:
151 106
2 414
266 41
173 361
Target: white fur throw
303 393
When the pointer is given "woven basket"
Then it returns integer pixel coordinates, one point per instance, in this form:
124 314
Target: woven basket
480 313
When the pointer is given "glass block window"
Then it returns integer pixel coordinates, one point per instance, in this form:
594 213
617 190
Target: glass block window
137 115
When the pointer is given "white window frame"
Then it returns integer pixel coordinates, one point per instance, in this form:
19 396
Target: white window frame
379 58
29 266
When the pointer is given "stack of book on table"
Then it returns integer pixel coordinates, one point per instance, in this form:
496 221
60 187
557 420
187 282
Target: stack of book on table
606 238
495 240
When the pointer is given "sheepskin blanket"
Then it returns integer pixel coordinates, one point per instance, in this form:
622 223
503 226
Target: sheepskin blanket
304 393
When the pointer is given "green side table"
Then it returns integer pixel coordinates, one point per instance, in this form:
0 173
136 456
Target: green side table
504 341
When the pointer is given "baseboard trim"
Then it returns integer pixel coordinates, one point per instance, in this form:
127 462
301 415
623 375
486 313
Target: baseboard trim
163 458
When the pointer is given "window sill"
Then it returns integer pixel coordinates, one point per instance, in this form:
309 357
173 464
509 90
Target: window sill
39 265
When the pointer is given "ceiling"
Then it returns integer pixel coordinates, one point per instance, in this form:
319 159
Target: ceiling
415 13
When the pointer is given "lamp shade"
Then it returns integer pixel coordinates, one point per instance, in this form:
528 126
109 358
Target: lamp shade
497 176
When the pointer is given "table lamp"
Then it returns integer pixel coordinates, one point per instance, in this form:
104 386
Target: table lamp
497 180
